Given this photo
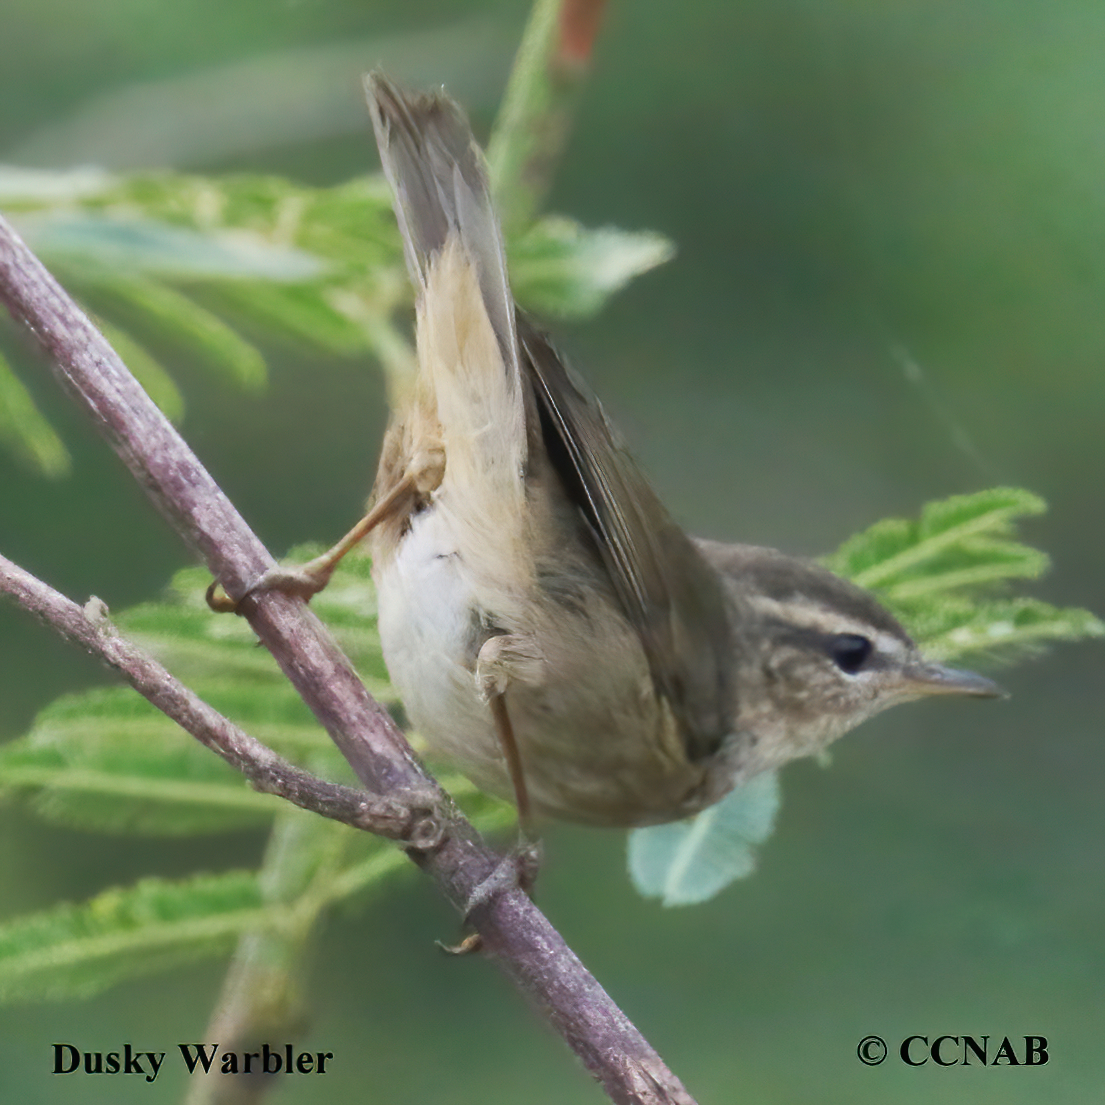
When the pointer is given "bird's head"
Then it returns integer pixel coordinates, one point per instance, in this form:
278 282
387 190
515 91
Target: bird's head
816 655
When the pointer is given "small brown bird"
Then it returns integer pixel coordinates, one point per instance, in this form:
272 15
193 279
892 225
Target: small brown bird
550 629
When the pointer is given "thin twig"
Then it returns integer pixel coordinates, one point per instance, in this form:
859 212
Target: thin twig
89 626
539 105
514 932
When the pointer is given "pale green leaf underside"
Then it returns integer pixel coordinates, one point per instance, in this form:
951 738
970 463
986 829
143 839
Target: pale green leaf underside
135 244
35 188
690 861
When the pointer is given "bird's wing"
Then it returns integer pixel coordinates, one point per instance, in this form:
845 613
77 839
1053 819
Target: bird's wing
669 593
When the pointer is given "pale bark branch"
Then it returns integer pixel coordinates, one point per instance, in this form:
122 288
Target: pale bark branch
515 933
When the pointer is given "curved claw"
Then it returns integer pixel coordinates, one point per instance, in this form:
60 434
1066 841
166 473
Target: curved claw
467 945
219 601
305 581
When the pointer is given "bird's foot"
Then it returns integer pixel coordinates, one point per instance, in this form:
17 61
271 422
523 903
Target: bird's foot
517 870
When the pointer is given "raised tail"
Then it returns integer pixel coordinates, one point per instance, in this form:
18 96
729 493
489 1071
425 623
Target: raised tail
470 399
438 177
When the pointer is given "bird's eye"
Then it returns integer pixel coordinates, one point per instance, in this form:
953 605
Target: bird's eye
850 651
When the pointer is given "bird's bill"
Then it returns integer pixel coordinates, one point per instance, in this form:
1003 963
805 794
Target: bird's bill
924 679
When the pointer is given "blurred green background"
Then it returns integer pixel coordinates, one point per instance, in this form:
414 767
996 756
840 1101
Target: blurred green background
891 220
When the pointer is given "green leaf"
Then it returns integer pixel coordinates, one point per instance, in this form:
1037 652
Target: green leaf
108 760
297 311
94 243
35 188
896 550
24 430
179 319
995 631
345 224
75 951
690 861
560 269
972 564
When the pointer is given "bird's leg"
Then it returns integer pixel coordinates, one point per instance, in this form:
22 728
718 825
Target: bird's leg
308 579
422 476
501 658
504 730
521 866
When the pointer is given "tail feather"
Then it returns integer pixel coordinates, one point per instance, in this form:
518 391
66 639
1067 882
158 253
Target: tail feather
439 179
470 387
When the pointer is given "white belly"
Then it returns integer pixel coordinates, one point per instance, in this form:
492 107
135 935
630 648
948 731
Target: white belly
427 611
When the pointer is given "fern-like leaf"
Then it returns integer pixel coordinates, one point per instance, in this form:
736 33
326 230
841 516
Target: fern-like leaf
965 530
179 319
186 259
79 950
24 430
107 760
